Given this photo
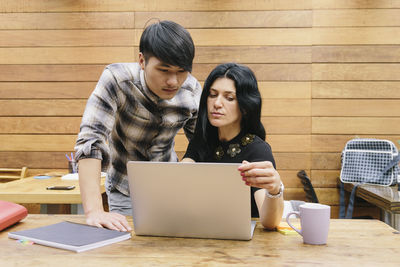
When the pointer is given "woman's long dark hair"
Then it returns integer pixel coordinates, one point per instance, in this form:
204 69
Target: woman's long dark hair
249 100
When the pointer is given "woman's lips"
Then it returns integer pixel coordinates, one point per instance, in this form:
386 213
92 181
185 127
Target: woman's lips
216 114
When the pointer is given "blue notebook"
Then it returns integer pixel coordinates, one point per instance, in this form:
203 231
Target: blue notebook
71 236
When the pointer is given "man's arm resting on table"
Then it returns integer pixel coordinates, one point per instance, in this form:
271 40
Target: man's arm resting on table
89 182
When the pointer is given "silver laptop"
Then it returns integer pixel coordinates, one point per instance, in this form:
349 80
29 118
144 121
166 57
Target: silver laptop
201 200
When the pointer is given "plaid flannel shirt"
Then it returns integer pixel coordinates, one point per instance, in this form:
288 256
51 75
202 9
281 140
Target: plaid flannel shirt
124 120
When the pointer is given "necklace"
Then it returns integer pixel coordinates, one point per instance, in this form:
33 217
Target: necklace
234 148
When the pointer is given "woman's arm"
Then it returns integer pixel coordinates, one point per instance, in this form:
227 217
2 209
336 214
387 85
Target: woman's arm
263 175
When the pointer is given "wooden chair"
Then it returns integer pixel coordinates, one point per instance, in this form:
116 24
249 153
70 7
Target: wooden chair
13 174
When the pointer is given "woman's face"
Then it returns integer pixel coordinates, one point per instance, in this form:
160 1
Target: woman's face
222 106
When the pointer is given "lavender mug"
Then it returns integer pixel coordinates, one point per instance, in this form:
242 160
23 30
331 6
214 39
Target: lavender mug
314 221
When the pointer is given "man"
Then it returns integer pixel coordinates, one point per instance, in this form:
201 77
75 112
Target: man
134 113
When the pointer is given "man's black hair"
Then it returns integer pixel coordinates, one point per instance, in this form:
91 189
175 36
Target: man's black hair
169 42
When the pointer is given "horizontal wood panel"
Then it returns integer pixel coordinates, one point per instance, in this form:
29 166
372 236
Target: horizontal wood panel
264 72
46 73
224 37
34 160
326 161
287 125
292 160
338 4
253 54
48 107
356 53
49 90
271 90
75 107
287 162
279 143
72 20
345 125
64 73
24 38
290 179
356 35
40 125
107 55
289 143
148 5
327 196
356 89
336 143
356 17
67 55
37 142
356 72
231 19
325 178
355 107
286 107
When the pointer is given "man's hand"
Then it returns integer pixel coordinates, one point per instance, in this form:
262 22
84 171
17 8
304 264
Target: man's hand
110 220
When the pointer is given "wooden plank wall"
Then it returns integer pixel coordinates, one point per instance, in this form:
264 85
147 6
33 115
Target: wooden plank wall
328 70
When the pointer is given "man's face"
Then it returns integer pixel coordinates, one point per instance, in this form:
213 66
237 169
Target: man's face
162 79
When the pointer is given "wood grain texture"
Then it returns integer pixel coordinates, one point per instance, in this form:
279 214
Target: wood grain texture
64 20
264 72
356 89
67 55
231 19
356 17
356 53
286 107
37 142
336 143
46 90
223 37
356 36
253 54
287 125
270 90
39 125
25 38
356 72
53 107
355 107
34 159
356 125
46 73
150 5
355 4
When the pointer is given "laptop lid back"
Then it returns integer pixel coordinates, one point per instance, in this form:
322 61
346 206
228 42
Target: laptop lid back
203 200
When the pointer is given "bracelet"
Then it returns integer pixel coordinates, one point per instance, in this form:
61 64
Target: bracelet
281 188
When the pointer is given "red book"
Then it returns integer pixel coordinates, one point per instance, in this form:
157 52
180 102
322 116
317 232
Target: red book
11 213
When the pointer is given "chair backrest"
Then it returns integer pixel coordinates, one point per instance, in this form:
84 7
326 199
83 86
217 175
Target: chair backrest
311 196
13 174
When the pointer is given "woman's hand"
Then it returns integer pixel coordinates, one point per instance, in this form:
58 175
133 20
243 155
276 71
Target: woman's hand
262 175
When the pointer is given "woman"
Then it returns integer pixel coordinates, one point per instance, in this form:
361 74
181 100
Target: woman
229 130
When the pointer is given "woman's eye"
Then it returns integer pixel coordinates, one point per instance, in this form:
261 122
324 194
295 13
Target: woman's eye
213 95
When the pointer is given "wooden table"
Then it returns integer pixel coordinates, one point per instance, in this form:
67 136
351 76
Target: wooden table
384 197
31 190
350 243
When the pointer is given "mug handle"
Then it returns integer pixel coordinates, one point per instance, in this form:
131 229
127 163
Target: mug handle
288 221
